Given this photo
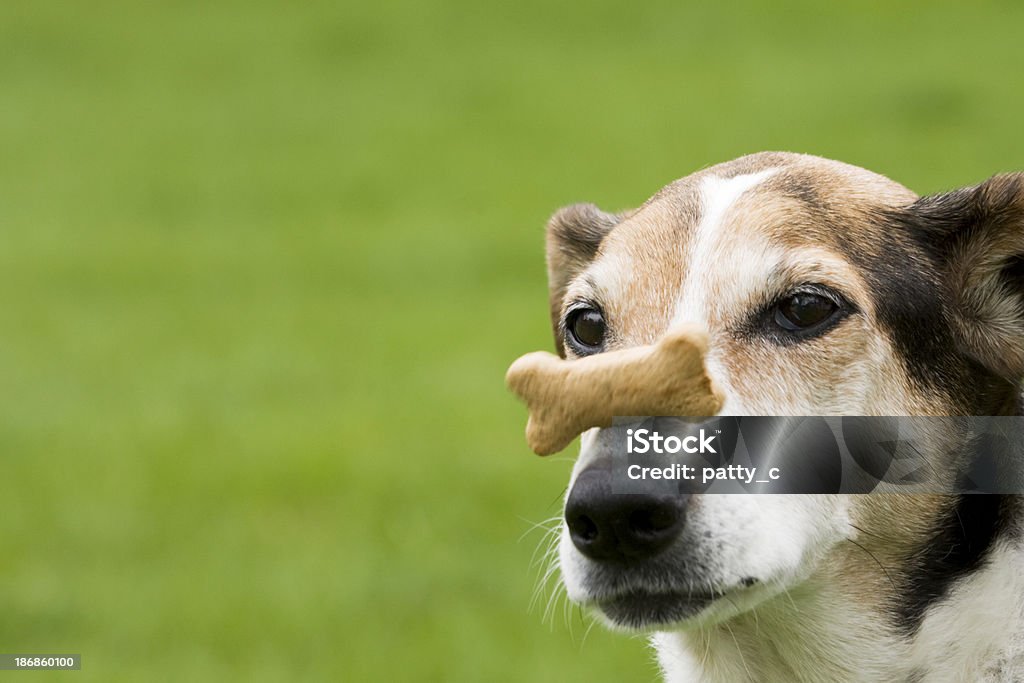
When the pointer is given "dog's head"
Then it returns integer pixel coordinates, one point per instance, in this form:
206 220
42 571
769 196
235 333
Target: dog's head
822 289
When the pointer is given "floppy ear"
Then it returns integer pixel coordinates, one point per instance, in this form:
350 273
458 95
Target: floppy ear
573 236
979 234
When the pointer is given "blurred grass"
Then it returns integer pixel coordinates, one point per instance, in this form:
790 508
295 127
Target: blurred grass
263 265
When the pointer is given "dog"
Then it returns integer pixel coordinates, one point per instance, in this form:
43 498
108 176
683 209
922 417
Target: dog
823 289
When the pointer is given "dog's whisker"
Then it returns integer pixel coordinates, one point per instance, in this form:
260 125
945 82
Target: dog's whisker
548 565
878 562
733 603
542 560
549 615
560 497
867 533
544 583
543 525
586 633
549 544
706 635
785 591
739 651
567 610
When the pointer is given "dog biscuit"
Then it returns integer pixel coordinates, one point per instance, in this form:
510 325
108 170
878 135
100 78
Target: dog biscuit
568 397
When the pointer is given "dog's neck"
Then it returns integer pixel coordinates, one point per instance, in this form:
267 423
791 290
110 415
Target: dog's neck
790 638
821 633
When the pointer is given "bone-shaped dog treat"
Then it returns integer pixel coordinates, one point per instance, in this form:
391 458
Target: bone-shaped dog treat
568 397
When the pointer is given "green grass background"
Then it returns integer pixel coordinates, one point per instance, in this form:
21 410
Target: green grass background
263 264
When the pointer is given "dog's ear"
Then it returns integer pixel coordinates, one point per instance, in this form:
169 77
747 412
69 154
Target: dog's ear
978 233
574 234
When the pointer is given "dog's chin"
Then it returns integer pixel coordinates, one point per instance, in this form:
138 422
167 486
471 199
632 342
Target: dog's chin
645 611
641 610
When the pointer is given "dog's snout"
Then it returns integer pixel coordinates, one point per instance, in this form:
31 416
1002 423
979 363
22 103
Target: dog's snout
620 526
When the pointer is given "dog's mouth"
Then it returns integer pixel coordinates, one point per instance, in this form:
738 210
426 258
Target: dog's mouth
648 609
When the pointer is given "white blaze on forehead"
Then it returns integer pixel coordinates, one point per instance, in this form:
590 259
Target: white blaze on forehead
717 195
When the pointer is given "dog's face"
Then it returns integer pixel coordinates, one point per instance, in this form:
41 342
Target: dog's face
824 290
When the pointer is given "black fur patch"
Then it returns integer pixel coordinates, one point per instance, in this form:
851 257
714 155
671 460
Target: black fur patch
1014 274
959 545
950 228
907 271
910 300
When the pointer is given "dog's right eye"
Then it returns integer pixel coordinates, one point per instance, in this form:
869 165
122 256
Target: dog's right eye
585 330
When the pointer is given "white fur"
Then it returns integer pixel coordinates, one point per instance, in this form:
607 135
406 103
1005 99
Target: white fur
977 629
810 635
708 265
717 195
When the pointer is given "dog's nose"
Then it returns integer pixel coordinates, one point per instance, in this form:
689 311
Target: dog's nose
620 526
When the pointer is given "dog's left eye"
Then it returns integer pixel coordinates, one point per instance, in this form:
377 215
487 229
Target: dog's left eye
805 312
